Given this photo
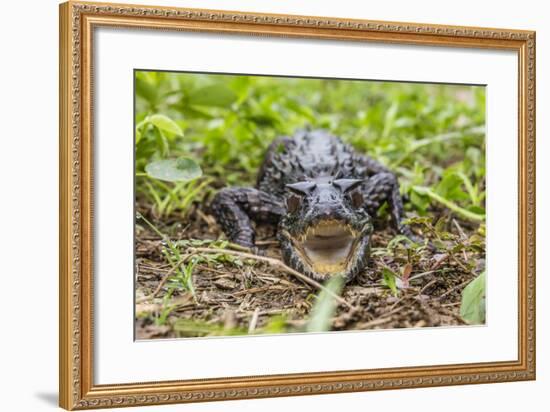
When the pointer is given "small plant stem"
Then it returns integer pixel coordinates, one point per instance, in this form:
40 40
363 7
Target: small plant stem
159 287
419 275
427 285
460 230
438 139
469 188
237 247
454 207
454 288
152 226
459 263
276 263
254 320
163 280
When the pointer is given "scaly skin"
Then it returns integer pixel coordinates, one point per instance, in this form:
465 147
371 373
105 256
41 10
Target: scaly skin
305 180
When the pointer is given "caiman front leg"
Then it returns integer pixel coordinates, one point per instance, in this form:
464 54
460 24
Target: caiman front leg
235 208
383 187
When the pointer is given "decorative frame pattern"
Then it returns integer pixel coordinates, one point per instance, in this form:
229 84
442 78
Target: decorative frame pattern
77 21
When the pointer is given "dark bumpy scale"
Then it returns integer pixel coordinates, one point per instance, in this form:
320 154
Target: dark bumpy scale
321 194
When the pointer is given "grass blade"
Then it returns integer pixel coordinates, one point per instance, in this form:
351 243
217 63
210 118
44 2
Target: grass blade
422 190
325 306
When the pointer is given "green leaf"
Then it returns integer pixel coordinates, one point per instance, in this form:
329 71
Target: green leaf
174 170
277 324
162 142
420 202
216 95
390 280
263 120
389 120
472 191
325 306
165 124
146 90
472 308
392 244
448 185
477 209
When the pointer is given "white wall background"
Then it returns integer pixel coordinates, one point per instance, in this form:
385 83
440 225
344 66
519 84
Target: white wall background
28 203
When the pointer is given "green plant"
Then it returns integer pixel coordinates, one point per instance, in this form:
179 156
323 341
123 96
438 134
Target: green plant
325 306
472 308
183 273
166 309
167 198
389 279
432 135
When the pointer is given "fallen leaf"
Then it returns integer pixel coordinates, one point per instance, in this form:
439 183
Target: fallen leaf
407 269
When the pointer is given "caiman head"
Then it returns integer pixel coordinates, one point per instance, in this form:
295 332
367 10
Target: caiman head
326 230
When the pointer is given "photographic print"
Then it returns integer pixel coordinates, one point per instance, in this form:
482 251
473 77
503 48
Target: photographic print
274 205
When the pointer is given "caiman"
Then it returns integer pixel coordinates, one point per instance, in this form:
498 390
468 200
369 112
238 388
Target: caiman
322 195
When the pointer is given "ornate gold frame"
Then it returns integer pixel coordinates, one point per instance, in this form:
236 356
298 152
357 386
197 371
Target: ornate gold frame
77 22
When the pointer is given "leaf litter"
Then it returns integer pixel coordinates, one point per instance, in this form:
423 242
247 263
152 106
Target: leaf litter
404 286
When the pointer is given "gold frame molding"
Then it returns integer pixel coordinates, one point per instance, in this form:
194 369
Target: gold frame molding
77 22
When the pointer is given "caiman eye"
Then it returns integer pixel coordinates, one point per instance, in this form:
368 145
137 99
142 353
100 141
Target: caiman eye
347 185
293 203
357 199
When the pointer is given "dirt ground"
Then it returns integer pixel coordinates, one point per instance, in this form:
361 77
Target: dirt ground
235 295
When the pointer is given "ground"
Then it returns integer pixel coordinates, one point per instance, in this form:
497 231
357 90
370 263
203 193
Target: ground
244 295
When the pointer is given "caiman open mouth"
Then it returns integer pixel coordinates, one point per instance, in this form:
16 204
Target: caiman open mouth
327 247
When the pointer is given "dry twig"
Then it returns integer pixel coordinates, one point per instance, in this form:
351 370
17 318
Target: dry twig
276 263
162 281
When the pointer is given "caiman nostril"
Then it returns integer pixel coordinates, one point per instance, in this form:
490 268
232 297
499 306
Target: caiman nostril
325 214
